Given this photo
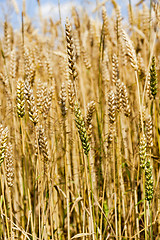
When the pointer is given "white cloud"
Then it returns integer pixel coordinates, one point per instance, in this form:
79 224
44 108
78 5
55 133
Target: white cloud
52 10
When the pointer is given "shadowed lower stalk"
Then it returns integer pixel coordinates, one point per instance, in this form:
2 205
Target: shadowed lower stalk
62 103
38 179
150 213
144 195
158 139
150 208
24 169
142 154
66 178
90 195
4 205
32 221
136 210
11 212
115 192
92 198
104 187
119 170
156 124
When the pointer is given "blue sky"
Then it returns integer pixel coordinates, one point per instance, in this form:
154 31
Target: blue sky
50 8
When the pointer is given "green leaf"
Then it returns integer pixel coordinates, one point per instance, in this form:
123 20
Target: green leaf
140 202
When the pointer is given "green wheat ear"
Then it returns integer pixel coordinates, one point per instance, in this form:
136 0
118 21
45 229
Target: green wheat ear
149 180
80 124
153 78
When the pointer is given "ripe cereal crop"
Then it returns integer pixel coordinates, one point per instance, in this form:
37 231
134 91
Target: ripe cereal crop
80 126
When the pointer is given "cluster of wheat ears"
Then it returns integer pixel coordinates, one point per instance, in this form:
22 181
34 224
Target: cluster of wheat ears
80 127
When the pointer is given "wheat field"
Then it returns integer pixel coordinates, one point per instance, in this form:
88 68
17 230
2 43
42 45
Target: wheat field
80 126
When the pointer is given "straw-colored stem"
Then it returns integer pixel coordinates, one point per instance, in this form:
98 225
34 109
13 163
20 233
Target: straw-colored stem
89 196
104 188
156 124
11 218
92 198
116 217
24 172
139 98
150 213
32 223
66 179
4 205
137 214
115 189
145 220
